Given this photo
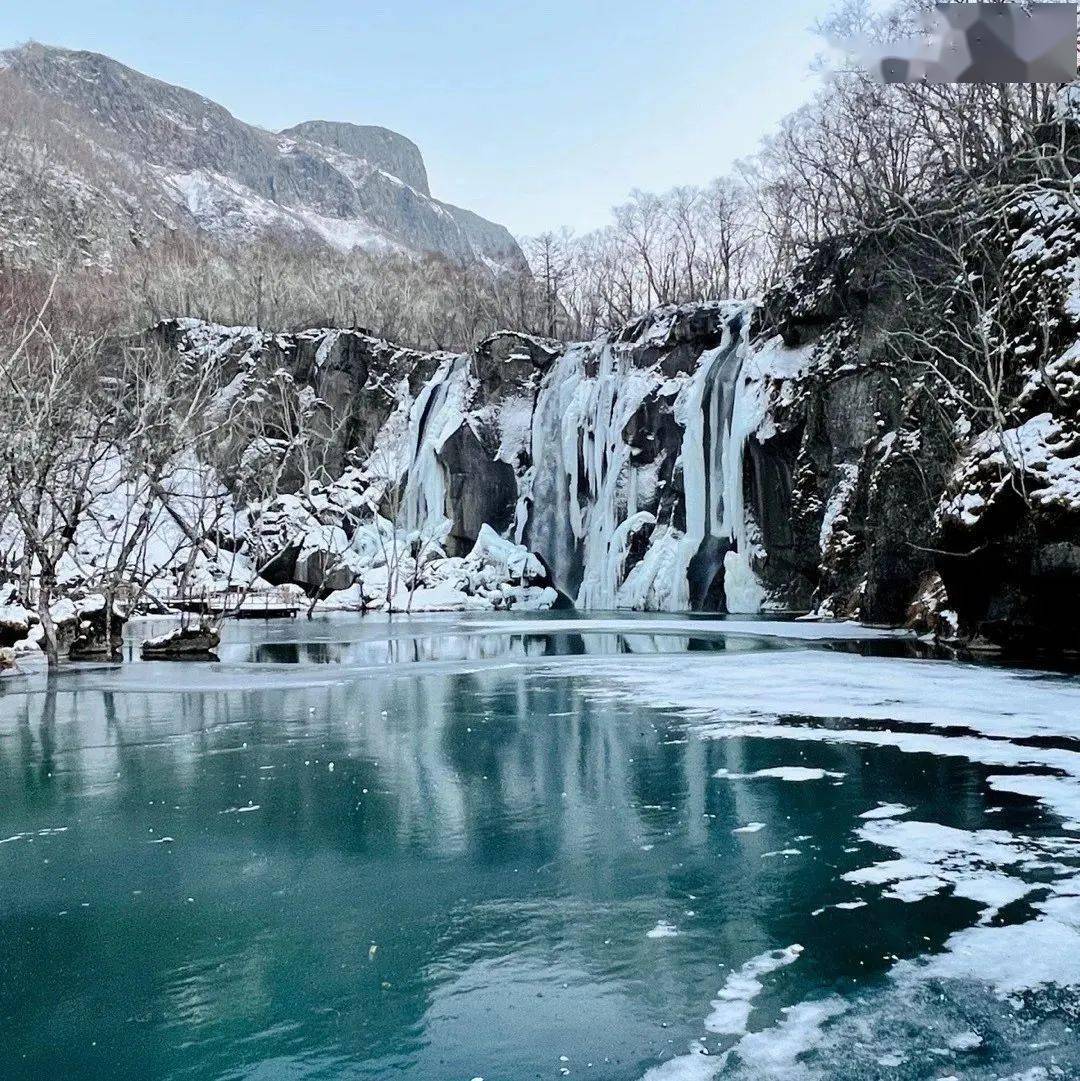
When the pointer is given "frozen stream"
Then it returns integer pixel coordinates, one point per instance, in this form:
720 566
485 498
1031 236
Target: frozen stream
448 848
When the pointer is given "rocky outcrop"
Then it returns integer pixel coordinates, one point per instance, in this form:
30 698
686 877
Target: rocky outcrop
1011 515
729 456
385 149
182 643
916 494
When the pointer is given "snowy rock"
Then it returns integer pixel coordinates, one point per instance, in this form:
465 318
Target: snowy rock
182 642
15 623
1014 504
83 628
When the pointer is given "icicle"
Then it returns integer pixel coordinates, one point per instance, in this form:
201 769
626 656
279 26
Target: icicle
578 501
435 415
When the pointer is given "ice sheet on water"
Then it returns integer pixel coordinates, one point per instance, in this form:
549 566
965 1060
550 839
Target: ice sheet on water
819 684
1020 958
986 715
775 1052
1061 793
844 906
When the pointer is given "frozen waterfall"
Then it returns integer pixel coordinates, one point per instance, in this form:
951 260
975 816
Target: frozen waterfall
434 416
631 490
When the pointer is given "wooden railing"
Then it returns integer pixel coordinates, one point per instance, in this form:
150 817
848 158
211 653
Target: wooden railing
276 603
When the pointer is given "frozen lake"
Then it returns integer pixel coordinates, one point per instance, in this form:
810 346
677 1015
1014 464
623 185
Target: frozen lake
448 848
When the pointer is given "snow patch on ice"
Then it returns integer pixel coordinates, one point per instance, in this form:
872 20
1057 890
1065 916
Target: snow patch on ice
750 827
663 929
886 810
780 773
731 1008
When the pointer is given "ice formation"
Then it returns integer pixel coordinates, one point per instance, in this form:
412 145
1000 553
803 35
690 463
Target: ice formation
581 434
586 495
621 464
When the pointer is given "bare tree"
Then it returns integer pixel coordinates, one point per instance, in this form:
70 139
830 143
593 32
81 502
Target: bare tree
56 434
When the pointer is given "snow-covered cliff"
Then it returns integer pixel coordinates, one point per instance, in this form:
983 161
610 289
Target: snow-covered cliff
722 456
733 456
619 464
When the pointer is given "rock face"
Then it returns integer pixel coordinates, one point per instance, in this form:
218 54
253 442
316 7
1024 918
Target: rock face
909 499
618 463
383 148
716 456
131 157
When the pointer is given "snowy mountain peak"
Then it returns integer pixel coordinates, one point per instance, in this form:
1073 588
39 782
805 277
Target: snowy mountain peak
144 155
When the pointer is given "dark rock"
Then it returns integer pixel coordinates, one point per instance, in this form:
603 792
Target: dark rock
184 643
13 628
481 490
87 635
1020 587
321 573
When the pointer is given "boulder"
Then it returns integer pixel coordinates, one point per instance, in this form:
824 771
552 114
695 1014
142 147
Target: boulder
85 632
182 643
14 624
321 572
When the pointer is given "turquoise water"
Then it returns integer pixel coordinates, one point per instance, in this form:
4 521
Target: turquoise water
354 850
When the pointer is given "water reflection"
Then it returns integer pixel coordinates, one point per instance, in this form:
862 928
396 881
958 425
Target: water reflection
462 647
431 876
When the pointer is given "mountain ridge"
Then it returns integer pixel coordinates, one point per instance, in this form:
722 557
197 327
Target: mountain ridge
142 153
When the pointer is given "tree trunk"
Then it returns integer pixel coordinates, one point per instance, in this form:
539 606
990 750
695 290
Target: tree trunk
26 575
48 627
109 594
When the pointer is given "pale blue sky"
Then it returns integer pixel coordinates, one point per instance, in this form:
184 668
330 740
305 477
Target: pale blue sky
534 114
